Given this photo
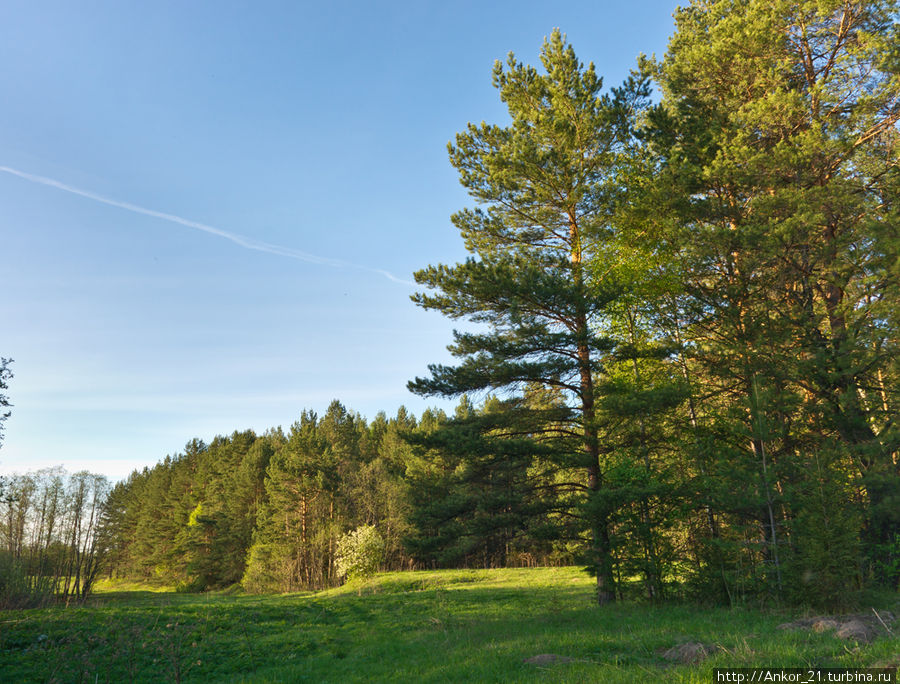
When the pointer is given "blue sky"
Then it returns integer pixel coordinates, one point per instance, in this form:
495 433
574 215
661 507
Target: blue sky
210 211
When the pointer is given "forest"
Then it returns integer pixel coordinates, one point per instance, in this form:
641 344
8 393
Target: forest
678 360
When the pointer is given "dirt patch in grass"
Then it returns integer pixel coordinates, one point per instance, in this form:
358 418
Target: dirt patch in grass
861 627
688 653
547 659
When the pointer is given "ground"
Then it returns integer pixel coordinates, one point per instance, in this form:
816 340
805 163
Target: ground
456 625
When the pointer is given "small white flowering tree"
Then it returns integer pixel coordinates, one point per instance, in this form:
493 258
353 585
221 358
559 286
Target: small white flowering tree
359 553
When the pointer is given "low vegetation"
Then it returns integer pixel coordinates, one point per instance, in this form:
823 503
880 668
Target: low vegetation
449 625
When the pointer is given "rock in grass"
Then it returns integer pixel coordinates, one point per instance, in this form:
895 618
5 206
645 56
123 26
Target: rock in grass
824 625
861 628
857 630
689 653
548 659
893 662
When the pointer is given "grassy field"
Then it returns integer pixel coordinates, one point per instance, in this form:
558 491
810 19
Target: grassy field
454 626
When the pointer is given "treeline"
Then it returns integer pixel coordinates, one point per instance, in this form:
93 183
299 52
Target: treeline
50 538
268 510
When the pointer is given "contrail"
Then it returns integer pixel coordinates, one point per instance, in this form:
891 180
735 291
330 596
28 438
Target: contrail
241 240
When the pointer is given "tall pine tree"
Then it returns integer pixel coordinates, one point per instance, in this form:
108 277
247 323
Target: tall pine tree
778 140
544 186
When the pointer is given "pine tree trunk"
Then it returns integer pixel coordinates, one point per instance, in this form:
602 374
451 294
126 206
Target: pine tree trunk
600 542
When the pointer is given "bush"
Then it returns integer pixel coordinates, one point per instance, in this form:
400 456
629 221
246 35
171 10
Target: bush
359 553
17 590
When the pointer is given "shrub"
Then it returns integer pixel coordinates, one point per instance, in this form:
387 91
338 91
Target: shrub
359 553
18 590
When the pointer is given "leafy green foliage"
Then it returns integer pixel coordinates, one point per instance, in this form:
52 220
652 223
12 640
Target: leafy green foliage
359 553
774 154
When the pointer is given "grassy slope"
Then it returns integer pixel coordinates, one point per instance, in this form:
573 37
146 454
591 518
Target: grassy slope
456 625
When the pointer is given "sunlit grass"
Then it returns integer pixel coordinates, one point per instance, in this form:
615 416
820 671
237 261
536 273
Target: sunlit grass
106 586
454 625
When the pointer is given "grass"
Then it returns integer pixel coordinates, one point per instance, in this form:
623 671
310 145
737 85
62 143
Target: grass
440 626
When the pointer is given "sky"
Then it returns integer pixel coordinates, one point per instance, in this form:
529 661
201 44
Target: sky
210 212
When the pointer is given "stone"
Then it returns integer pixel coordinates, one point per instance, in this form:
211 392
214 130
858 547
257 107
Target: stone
689 653
824 625
862 632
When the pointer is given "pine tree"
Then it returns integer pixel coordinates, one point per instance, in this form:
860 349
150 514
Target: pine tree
545 185
777 138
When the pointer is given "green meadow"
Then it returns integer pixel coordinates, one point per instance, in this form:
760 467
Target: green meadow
452 625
